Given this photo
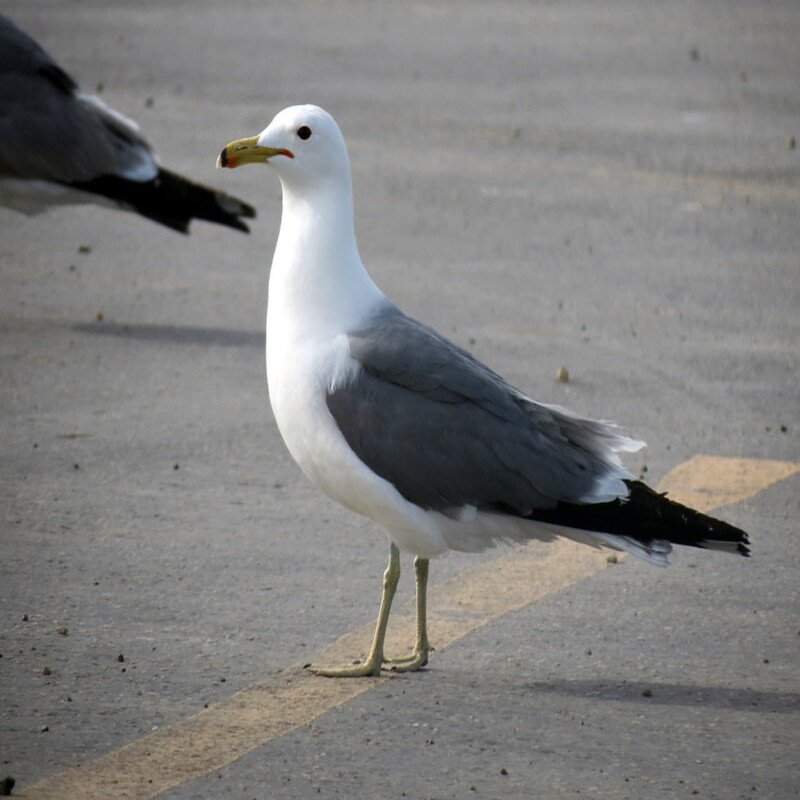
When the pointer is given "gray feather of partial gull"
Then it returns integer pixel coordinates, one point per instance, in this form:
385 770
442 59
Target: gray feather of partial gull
59 145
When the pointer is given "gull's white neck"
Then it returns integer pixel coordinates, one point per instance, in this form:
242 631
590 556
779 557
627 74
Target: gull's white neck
319 291
318 285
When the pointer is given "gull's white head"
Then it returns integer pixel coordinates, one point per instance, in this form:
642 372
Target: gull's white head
303 144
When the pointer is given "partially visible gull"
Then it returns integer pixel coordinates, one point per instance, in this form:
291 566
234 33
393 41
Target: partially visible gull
59 145
398 424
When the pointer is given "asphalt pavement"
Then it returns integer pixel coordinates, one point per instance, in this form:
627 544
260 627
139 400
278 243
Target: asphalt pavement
613 188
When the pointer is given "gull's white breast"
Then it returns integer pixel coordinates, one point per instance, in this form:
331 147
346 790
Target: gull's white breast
302 367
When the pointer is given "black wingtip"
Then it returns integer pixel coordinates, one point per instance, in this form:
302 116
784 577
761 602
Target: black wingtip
647 516
721 535
235 223
739 547
743 547
173 200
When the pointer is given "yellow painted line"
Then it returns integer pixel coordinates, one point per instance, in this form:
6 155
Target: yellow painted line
219 735
707 482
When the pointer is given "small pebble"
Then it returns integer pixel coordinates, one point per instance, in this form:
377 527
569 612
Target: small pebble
45 728
121 658
84 248
47 671
562 376
7 785
62 630
612 558
647 693
503 771
99 316
791 143
177 466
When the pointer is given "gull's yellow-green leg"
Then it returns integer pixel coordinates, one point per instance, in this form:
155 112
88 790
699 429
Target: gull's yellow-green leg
374 661
419 658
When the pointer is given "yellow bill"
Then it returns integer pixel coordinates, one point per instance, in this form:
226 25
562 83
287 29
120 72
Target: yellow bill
248 151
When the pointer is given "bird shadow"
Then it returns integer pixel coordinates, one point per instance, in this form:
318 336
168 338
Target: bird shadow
174 334
674 694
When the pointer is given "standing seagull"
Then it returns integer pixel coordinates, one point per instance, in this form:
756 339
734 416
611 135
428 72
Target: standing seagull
398 424
58 145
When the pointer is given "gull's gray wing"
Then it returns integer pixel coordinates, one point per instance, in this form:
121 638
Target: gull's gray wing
448 432
20 53
50 131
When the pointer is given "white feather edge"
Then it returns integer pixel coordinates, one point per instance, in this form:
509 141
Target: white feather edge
610 442
472 531
146 164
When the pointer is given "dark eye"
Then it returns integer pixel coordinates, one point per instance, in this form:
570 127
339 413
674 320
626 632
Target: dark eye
304 132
